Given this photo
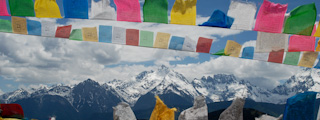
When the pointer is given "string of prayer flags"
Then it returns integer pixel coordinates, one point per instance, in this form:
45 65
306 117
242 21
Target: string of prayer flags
248 52
105 34
75 9
146 38
176 43
292 58
184 12
47 9
123 112
204 45
21 8
3 8
276 56
308 59
76 34
119 35
220 53
199 110
243 14
189 45
161 111
300 107
301 20
101 9
232 48
267 42
34 27
128 10
162 40
90 34
219 19
63 31
19 25
48 28
155 11
261 56
5 26
270 17
317 34
132 37
234 111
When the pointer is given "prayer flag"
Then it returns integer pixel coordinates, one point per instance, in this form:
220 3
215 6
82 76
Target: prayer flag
204 45
21 8
34 27
47 9
48 28
119 35
243 14
90 34
189 45
161 111
76 34
63 31
270 17
220 53
11 111
3 8
155 11
105 34
219 19
184 12
267 42
308 59
176 43
101 9
232 48
301 20
19 25
317 34
76 9
261 56
248 52
128 10
276 56
146 38
318 47
299 43
5 26
292 58
162 40
132 37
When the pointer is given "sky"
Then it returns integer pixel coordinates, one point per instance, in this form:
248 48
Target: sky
33 61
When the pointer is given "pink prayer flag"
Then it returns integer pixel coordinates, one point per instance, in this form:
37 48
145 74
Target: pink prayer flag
128 10
270 17
300 43
3 8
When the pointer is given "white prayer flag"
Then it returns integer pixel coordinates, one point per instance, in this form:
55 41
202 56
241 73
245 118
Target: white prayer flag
189 45
119 35
261 56
48 29
243 14
268 42
101 9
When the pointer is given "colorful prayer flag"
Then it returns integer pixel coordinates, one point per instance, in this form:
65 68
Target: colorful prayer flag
232 48
19 25
292 58
301 20
146 38
119 35
261 56
3 8
276 56
317 34
243 14
11 111
308 59
267 42
247 53
189 45
161 111
5 26
162 40
105 34
76 34
220 53
101 9
270 17
63 31
47 9
48 28
176 43
155 11
219 19
299 43
318 47
128 10
34 27
204 45
90 34
184 12
21 8
132 37
76 9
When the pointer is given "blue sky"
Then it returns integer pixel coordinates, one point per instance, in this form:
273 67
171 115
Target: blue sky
34 69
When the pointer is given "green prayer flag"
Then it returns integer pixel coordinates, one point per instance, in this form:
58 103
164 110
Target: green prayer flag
21 7
155 11
301 20
146 38
292 58
5 26
76 34
220 53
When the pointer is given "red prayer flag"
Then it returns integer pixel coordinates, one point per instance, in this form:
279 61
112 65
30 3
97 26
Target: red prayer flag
204 45
11 111
132 37
63 31
276 56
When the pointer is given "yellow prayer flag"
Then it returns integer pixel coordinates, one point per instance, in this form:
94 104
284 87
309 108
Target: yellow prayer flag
184 12
162 40
161 111
318 47
9 119
90 34
47 9
308 59
19 25
232 48
317 34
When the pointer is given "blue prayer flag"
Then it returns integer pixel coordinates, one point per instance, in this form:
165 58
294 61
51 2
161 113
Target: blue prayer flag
248 52
176 43
76 9
105 34
219 19
34 27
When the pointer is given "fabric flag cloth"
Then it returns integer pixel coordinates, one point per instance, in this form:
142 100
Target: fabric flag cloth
90 34
243 14
220 53
270 17
101 9
34 27
204 45
161 111
3 8
248 52
162 40
21 8
47 9
76 34
132 37
267 42
128 10
19 25
48 28
308 59
232 48
299 43
276 56
261 56
184 12
119 35
105 34
199 110
176 43
318 47
292 58
234 111
317 34
5 26
189 44
155 11
11 111
267 117
301 107
219 19
76 9
146 38
63 31
301 20
123 112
